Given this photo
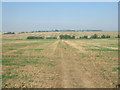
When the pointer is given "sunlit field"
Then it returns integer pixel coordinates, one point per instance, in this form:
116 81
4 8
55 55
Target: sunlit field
59 63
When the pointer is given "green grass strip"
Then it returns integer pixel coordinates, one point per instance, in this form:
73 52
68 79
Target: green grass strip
103 50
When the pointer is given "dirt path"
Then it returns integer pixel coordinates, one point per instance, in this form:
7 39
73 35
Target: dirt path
72 73
76 74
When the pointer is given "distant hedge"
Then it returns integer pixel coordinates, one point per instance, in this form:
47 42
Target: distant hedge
51 37
95 36
66 37
34 37
9 33
84 37
103 36
118 36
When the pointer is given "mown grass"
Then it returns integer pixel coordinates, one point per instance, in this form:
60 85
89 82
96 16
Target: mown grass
81 54
38 49
10 56
26 61
0 61
103 50
34 56
13 39
7 60
18 52
11 49
24 44
10 77
27 44
22 56
98 56
116 68
9 64
0 76
111 45
30 80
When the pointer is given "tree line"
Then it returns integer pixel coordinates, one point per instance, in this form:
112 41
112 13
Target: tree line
95 36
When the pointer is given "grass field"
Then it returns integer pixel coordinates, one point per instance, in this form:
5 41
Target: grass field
79 63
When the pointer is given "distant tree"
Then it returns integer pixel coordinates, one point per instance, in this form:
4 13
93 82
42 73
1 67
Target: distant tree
95 36
61 36
22 32
118 36
108 36
84 37
56 30
73 37
103 36
9 33
34 37
51 37
66 37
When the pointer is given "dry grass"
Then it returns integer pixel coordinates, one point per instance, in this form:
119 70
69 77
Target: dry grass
80 63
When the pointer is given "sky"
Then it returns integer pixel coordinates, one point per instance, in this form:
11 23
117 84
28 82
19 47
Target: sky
0 17
33 16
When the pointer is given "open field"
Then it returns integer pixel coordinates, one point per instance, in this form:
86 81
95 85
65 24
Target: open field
77 63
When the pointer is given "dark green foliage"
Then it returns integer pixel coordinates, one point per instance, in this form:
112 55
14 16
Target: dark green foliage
118 36
107 36
66 37
95 36
34 37
84 37
51 37
103 36
72 37
9 33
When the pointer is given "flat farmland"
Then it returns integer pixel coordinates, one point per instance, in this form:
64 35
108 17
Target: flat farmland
59 63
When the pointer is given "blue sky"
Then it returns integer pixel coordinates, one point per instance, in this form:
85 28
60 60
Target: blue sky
0 17
30 16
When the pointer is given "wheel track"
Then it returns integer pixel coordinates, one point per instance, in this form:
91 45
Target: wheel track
98 78
73 76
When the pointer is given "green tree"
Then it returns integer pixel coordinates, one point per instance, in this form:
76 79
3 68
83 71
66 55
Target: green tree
95 36
103 36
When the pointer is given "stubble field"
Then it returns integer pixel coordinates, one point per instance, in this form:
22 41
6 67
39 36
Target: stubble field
78 63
